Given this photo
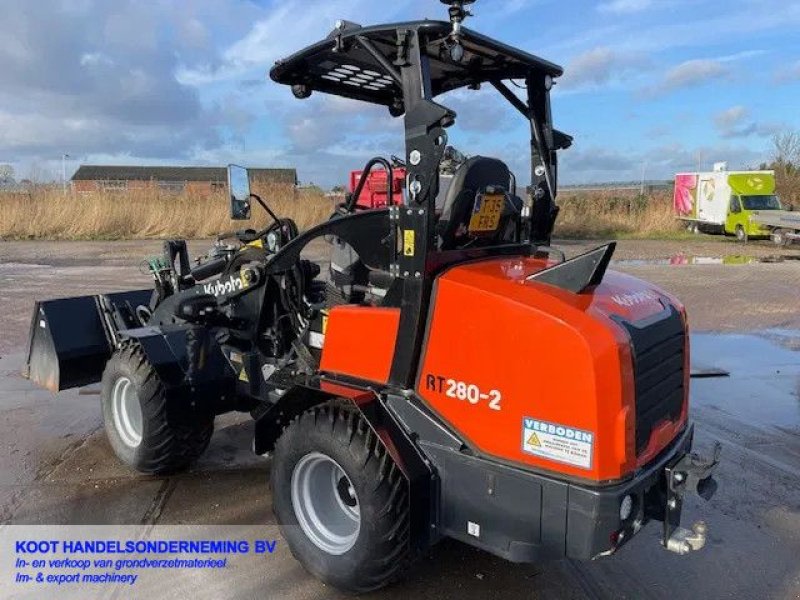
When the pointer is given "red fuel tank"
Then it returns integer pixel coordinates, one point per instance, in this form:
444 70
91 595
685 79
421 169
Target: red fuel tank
374 193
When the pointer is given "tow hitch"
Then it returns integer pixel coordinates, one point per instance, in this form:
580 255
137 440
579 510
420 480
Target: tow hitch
692 473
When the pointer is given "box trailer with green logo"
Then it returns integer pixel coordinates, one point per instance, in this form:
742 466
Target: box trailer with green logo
740 203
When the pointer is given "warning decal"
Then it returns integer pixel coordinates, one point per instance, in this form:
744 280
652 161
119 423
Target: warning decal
533 440
557 442
408 242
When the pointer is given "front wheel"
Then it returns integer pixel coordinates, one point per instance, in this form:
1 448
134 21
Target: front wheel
135 414
340 501
741 234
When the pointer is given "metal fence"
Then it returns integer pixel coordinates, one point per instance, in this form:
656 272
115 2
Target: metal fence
643 187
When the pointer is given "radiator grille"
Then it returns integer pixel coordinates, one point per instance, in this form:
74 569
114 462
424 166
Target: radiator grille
658 347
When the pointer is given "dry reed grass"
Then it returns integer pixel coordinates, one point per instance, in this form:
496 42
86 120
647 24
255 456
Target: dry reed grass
609 214
48 214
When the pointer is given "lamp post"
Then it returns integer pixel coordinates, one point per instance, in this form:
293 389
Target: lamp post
64 158
641 186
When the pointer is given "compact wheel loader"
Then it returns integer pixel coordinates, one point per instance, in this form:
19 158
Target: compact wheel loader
455 378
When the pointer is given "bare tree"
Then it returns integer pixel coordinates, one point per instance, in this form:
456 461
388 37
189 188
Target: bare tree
786 163
786 148
6 174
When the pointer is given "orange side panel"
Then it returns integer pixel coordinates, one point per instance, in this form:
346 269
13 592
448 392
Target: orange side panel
360 341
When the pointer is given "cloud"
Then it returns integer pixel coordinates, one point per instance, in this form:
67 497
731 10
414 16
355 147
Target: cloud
181 83
185 82
267 39
693 72
595 164
730 118
624 6
323 126
599 66
472 106
688 74
94 59
735 122
193 33
698 72
744 54
599 164
96 78
707 25
666 160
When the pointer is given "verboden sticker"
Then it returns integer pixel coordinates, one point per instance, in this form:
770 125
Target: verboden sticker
557 442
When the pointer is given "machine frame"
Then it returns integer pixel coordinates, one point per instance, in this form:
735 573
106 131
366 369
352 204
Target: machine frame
409 65
205 351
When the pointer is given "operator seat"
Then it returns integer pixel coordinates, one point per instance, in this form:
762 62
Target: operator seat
471 178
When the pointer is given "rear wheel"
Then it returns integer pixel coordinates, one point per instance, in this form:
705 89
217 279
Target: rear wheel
135 415
341 502
779 237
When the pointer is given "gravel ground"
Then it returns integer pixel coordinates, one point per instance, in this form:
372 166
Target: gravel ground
56 466
747 296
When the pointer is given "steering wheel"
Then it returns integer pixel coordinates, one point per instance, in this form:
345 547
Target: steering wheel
286 229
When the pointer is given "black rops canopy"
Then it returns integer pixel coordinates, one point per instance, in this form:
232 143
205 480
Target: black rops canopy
341 65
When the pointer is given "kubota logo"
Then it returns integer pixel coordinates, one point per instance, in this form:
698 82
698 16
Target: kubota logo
220 288
635 298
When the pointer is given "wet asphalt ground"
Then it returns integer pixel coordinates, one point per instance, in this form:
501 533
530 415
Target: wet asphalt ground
56 466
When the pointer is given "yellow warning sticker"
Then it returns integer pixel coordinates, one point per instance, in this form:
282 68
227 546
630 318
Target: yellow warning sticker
408 242
533 440
243 375
324 322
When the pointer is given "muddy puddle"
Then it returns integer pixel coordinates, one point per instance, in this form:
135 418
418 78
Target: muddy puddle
763 388
679 260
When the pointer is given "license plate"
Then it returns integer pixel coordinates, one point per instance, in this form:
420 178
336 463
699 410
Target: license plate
486 214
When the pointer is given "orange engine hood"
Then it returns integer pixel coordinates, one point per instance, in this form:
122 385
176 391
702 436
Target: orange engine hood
532 374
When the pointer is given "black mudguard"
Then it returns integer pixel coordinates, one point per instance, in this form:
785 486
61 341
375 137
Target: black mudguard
414 466
191 366
71 339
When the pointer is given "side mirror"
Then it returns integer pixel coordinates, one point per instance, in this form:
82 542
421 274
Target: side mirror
239 191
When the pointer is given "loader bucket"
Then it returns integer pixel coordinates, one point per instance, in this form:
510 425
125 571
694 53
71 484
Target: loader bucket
72 338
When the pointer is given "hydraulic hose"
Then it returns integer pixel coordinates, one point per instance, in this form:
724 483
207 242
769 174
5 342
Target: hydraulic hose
363 180
209 269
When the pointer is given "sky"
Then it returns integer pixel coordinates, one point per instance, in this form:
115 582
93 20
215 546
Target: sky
651 87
